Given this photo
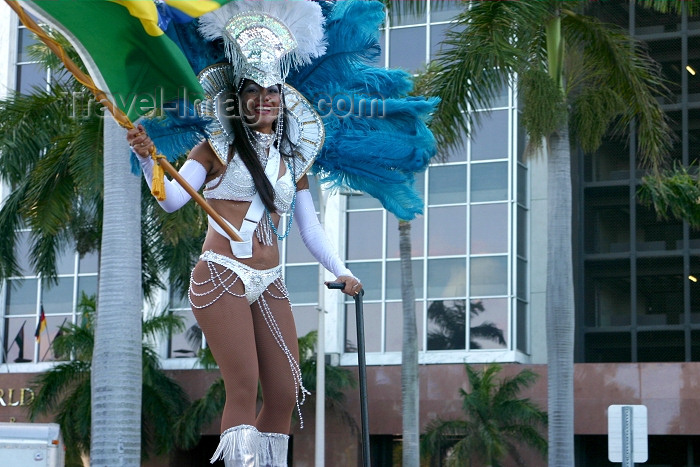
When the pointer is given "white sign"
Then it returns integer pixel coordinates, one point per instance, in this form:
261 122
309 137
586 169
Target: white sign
627 434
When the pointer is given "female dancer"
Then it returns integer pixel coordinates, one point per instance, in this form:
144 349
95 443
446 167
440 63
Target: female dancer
236 290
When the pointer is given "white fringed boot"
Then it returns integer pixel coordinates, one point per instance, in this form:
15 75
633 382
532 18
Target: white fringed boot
273 450
239 446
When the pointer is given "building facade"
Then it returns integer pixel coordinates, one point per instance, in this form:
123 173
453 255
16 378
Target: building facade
478 254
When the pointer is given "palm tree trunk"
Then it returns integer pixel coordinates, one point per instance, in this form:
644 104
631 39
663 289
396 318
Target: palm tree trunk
116 362
409 355
560 302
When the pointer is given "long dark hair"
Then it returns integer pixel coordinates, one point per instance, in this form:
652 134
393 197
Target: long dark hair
247 153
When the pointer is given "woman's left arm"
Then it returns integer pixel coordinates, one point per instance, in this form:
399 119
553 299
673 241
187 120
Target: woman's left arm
317 242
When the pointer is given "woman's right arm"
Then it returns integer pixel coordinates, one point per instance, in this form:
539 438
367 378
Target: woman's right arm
192 171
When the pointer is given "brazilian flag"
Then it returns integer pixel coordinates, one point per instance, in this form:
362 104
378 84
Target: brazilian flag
124 48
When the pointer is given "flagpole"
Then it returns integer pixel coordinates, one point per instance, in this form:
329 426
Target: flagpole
47 332
116 112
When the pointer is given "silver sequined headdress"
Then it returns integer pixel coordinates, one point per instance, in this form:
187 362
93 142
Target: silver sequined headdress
263 40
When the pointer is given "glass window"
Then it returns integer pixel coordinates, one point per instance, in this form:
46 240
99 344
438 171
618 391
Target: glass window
661 346
87 285
522 277
394 326
608 347
488 228
667 52
296 250
365 231
29 77
302 283
522 328
362 201
490 136
447 184
58 298
607 293
447 278
88 263
447 325
694 285
23 252
371 276
437 36
607 223
610 162
660 283
488 323
186 344
522 185
19 340
25 39
21 297
489 275
393 279
447 231
489 182
654 234
407 48
392 237
403 15
65 261
305 319
445 11
522 234
372 314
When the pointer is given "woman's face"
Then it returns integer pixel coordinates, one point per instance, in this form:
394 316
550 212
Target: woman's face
260 106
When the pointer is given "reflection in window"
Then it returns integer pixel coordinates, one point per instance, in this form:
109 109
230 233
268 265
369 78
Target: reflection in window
365 230
186 344
392 237
660 283
489 182
302 283
407 48
447 184
608 347
21 297
19 340
489 229
371 276
447 277
394 326
490 137
447 231
58 298
373 327
488 323
607 294
447 325
393 279
489 275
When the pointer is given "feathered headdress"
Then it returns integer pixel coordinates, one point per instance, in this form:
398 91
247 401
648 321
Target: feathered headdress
376 142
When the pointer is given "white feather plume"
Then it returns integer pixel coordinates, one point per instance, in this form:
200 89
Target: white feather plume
302 17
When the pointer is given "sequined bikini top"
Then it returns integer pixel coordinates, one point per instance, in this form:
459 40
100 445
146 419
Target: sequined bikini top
236 184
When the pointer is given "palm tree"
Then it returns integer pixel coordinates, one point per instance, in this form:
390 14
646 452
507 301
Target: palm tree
54 163
451 325
497 421
204 410
65 390
577 79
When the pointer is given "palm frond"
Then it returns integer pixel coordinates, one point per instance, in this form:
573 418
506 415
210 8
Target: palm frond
480 51
674 193
200 413
629 72
672 6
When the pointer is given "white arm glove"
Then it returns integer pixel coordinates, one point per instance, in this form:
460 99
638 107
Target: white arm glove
176 196
314 237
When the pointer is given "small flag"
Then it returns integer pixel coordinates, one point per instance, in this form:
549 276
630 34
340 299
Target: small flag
41 327
19 340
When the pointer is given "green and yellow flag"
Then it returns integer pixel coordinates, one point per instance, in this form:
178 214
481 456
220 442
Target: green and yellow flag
124 48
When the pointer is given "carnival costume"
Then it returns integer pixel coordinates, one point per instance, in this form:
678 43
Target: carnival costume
319 52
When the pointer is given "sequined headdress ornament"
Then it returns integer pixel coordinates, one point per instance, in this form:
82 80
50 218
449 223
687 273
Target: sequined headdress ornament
264 39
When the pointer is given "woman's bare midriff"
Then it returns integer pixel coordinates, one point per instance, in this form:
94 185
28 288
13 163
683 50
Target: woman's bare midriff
264 256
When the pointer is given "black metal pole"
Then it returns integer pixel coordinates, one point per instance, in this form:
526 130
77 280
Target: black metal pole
362 370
